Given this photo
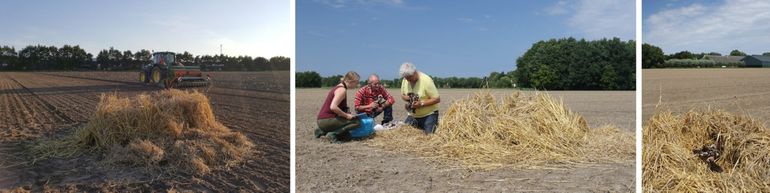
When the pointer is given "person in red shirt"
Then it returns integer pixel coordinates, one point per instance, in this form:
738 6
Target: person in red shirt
373 100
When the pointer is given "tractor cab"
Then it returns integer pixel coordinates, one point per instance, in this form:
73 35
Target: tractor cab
165 58
166 71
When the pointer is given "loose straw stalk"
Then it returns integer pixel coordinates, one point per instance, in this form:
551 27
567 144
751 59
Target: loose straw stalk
170 130
521 131
669 164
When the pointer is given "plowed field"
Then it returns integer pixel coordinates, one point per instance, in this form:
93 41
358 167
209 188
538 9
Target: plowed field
42 104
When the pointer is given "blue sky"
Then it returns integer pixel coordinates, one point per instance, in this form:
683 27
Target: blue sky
444 38
255 28
707 25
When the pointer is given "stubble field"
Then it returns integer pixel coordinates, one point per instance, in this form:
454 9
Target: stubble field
745 90
355 166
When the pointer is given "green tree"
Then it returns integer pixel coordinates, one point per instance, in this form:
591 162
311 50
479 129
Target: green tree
682 55
544 77
307 79
261 64
331 80
737 53
609 78
652 56
280 63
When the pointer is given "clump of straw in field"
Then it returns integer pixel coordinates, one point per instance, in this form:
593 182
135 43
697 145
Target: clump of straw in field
170 130
518 131
670 165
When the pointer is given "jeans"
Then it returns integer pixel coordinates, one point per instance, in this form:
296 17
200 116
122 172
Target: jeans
427 124
387 117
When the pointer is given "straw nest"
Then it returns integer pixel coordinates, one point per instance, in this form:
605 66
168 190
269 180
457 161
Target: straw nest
521 131
670 164
170 130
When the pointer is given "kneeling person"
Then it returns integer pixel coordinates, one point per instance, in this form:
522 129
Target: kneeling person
333 119
423 110
374 100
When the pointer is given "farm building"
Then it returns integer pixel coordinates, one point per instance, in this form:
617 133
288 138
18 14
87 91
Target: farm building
757 61
725 59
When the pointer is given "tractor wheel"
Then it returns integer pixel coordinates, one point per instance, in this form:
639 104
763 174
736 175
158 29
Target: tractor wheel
142 77
156 75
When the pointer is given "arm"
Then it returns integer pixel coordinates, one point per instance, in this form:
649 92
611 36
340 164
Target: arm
404 90
358 102
389 99
427 102
404 97
432 93
338 94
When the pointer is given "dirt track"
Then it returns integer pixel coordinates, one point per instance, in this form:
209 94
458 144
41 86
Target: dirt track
744 90
33 105
356 167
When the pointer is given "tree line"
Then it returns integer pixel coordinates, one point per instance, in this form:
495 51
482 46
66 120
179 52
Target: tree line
556 64
40 57
653 57
311 79
570 64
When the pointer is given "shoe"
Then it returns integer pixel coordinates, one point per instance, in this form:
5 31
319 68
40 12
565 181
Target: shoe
319 133
333 137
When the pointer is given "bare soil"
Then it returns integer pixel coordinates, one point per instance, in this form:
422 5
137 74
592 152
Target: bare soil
742 90
34 105
356 167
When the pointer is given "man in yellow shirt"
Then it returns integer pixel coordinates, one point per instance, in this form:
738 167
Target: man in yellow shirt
425 113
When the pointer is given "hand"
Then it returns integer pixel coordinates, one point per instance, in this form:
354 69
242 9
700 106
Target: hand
379 109
416 104
350 116
372 105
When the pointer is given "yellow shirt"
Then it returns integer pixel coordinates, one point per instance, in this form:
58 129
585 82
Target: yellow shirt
425 89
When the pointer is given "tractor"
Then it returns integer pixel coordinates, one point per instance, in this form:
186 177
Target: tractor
165 71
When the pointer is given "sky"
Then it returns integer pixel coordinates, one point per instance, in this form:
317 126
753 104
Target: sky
444 38
707 25
243 27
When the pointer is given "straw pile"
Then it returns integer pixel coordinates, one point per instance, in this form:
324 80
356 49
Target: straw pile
670 165
171 130
521 131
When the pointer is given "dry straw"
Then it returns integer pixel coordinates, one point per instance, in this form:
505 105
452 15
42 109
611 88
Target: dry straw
169 130
669 164
522 131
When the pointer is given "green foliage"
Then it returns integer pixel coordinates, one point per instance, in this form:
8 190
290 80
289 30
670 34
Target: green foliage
307 79
331 80
570 64
652 56
682 55
698 63
609 78
737 53
75 58
766 54
280 63
544 77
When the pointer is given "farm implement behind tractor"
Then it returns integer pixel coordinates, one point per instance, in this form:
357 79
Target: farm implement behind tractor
166 72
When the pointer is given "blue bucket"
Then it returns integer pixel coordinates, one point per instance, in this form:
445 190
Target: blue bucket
366 129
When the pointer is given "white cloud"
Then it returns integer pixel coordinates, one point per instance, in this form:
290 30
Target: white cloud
594 19
734 24
605 19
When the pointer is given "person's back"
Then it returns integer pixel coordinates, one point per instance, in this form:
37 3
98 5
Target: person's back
326 111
